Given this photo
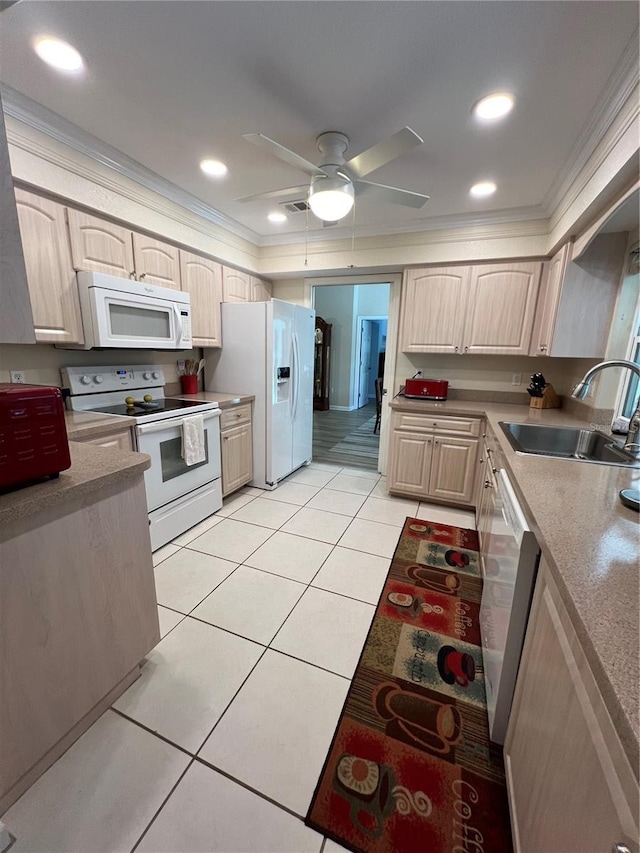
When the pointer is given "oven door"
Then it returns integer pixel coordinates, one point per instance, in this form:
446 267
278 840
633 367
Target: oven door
134 321
169 477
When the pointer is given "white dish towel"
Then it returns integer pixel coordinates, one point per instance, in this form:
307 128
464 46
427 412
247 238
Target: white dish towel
193 447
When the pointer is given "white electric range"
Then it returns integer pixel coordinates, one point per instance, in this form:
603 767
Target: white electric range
178 495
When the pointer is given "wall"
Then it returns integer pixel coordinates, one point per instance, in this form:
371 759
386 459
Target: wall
335 304
372 300
42 362
492 372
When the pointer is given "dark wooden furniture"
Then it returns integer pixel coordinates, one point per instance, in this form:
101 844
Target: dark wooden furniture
321 365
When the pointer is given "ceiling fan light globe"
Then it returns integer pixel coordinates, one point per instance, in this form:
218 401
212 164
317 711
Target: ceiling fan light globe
331 199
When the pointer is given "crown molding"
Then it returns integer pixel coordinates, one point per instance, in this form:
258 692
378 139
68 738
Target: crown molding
453 222
510 229
612 102
43 120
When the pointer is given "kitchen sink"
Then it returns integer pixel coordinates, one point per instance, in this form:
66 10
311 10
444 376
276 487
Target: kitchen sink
585 445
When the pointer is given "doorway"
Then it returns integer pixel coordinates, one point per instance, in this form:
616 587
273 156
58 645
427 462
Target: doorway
348 432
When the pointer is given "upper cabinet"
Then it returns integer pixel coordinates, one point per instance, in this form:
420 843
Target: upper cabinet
202 280
156 262
577 299
500 310
483 309
260 290
433 305
98 245
50 273
236 286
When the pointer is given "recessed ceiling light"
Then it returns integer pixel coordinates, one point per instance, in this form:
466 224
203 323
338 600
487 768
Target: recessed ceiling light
58 54
494 106
213 167
277 217
483 189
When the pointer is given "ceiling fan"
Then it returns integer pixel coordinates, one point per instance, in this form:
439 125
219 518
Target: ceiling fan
334 182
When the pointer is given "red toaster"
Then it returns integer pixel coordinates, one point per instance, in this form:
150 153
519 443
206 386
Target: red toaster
33 434
426 389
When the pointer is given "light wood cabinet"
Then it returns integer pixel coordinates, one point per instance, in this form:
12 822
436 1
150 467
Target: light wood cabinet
571 787
202 280
577 299
98 245
260 290
500 310
118 440
236 441
236 285
52 280
453 468
428 462
433 307
156 262
78 615
482 309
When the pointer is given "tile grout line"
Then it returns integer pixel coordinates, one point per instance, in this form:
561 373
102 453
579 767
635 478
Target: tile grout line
163 804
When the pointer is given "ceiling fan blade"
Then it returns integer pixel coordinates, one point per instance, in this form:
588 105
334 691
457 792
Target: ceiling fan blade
302 192
393 195
283 153
373 158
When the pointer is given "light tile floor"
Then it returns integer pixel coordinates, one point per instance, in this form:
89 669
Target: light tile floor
263 609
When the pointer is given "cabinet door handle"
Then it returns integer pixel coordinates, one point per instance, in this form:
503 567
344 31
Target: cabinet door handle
620 848
466 349
487 484
543 349
455 349
142 276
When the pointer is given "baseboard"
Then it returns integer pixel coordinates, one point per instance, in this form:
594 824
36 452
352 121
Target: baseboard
342 408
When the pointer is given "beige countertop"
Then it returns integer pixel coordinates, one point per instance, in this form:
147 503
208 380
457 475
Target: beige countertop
225 401
92 468
82 425
590 541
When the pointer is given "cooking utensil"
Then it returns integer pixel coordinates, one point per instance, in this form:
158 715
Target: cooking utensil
201 365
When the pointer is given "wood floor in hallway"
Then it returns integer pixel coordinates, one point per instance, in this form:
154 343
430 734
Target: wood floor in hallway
331 428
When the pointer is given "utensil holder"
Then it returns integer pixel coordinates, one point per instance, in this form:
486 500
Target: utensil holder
189 384
549 399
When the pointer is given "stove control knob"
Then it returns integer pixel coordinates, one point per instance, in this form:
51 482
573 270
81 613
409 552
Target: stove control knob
146 375
148 398
98 378
155 374
85 379
129 401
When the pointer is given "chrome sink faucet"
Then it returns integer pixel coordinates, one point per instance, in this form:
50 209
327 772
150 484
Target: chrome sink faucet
581 389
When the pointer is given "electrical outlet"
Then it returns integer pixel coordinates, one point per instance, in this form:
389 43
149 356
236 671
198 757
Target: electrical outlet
17 376
516 379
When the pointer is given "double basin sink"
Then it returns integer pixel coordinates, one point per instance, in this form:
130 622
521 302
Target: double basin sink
568 443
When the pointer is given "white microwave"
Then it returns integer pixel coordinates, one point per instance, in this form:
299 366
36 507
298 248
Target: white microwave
127 314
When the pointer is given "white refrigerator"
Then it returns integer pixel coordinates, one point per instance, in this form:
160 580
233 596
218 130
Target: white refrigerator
267 351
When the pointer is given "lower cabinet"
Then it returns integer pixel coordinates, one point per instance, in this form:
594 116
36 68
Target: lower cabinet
121 440
433 458
571 786
236 447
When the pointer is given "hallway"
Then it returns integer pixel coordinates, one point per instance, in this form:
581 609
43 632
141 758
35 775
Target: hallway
342 438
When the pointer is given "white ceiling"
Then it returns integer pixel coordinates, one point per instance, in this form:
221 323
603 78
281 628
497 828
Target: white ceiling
169 83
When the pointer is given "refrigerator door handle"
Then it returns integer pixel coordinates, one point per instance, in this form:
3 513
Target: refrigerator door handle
296 378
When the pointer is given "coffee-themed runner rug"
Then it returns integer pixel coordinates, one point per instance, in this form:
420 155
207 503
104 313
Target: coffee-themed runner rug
411 767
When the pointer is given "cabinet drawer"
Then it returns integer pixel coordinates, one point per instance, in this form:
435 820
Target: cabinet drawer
426 423
235 416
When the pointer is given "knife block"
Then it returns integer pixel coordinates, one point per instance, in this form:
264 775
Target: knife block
549 399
